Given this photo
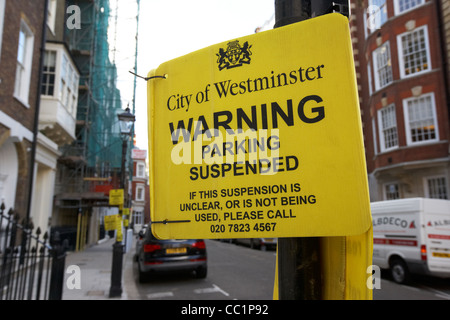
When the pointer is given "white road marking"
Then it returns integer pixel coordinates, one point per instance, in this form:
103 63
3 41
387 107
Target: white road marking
159 295
215 288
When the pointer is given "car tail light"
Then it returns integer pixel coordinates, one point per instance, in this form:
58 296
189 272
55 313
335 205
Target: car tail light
199 244
151 247
423 252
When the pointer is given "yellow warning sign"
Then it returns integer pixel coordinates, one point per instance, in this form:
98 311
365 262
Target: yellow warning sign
260 136
116 197
111 222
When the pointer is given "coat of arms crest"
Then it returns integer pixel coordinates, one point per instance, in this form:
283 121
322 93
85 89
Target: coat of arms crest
234 56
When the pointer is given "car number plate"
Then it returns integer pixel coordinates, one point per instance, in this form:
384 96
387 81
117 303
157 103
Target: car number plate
175 250
441 255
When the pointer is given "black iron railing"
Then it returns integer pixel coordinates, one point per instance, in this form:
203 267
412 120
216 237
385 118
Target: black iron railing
31 268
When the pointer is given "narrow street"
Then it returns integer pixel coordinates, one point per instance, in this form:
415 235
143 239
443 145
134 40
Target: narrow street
420 288
237 272
234 272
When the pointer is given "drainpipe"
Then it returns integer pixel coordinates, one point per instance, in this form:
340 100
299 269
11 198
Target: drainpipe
444 55
36 117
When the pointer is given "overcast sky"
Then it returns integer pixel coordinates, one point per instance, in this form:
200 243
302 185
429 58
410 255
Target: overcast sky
172 28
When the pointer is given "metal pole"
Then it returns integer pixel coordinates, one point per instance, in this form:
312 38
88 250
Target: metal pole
117 258
138 13
299 267
58 254
138 2
116 272
124 156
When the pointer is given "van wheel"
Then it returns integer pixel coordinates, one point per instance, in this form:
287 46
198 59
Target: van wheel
399 271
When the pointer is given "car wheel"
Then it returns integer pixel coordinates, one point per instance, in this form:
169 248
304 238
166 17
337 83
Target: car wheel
254 244
143 276
399 271
201 272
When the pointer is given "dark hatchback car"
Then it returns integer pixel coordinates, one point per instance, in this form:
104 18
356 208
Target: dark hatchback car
170 255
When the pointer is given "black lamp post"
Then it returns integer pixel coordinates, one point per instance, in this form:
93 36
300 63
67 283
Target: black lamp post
126 121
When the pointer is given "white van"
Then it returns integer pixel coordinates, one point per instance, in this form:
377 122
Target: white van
412 236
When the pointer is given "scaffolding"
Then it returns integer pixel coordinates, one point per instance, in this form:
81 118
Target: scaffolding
94 158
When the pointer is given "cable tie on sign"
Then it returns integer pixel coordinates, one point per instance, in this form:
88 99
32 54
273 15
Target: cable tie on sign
165 76
171 221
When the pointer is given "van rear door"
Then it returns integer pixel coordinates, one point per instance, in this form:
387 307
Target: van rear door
437 233
396 231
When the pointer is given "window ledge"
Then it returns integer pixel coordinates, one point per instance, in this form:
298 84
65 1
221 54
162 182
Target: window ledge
22 102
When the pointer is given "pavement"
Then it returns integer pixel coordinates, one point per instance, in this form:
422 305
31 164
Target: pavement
88 273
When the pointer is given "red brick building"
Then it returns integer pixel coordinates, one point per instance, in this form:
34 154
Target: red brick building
21 31
140 193
401 65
